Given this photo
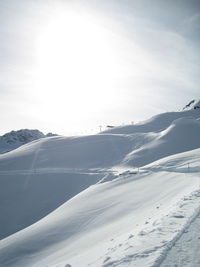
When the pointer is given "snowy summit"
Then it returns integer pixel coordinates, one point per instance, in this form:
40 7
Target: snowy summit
128 196
14 139
193 104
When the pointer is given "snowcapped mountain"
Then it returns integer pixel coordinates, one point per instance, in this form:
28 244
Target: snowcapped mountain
123 197
194 104
14 139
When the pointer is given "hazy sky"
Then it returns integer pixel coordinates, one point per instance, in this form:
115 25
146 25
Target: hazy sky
69 66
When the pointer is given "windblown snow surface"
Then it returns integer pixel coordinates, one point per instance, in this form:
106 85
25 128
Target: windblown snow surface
129 196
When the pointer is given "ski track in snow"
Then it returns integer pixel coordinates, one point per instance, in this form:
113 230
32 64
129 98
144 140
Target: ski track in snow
180 255
173 254
166 231
165 251
138 249
54 170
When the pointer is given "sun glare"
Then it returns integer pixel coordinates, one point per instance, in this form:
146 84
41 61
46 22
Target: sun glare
75 63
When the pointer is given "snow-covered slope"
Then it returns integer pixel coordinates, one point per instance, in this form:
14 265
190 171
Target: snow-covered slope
182 135
14 139
157 123
117 223
181 253
49 171
123 217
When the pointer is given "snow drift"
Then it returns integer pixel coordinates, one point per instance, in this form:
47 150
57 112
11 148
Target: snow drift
182 135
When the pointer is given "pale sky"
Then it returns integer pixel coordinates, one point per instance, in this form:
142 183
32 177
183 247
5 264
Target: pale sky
69 66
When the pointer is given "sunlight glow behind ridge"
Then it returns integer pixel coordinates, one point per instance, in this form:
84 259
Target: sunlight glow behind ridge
69 66
86 70
75 63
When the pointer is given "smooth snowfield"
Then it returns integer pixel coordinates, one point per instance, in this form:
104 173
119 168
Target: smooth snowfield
40 176
81 201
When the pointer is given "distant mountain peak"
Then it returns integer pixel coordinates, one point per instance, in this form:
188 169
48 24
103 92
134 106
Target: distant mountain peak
193 104
23 136
15 139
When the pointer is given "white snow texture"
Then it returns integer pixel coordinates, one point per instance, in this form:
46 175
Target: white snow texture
129 196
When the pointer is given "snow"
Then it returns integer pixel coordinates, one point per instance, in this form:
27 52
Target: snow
182 135
194 104
180 255
15 139
82 201
156 124
49 171
68 152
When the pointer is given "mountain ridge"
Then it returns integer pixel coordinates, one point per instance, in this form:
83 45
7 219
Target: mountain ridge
15 139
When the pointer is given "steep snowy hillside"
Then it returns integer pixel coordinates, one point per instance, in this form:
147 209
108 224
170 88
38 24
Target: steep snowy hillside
81 201
14 139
